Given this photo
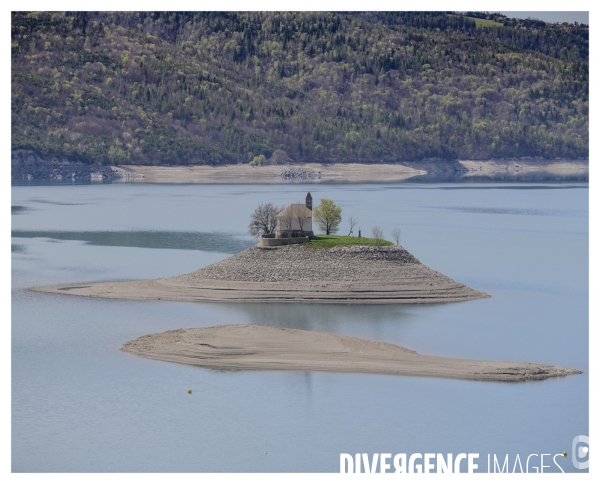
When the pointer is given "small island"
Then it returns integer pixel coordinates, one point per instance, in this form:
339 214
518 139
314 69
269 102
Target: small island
291 264
259 347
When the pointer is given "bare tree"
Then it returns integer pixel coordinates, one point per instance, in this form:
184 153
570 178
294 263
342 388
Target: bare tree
377 236
396 234
279 157
263 220
353 221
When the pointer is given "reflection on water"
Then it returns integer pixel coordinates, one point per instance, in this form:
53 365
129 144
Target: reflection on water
332 318
467 187
503 177
207 241
57 202
530 177
18 248
516 211
18 182
544 186
17 209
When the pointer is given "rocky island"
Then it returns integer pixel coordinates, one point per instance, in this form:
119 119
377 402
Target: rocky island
297 273
291 264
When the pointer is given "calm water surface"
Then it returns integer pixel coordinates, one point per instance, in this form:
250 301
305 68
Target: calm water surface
80 405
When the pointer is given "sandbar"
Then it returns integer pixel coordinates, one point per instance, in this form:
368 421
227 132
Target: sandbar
260 347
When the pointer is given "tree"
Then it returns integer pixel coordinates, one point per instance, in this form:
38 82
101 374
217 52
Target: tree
328 216
279 157
377 236
396 235
258 160
353 221
517 90
263 220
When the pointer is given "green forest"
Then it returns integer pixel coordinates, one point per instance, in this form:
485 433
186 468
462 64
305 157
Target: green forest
217 88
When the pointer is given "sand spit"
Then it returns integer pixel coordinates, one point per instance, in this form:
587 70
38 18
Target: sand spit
241 174
358 274
256 347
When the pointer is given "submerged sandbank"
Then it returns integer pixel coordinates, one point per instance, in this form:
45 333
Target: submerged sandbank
257 347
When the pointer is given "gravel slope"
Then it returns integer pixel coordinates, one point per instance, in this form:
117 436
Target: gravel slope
356 274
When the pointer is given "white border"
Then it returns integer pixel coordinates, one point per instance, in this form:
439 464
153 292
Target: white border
290 5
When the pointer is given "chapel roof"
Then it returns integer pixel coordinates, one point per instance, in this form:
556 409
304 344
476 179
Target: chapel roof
296 209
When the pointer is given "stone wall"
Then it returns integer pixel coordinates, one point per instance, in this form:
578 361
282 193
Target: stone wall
277 242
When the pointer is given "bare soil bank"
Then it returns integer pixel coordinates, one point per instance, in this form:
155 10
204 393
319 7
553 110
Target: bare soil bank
520 168
256 347
357 172
26 164
357 274
241 174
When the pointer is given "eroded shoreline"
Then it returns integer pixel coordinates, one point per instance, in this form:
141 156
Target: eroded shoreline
258 347
514 170
26 165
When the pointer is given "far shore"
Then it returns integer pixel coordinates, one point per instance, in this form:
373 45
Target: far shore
350 172
27 166
259 347
246 174
524 168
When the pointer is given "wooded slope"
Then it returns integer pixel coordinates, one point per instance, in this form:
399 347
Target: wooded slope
189 88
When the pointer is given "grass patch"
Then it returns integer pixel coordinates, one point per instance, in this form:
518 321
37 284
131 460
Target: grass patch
482 22
329 241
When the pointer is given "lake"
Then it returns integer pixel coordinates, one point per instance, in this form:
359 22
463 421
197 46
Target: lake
81 405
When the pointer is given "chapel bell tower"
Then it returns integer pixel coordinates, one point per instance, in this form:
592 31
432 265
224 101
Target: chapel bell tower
309 201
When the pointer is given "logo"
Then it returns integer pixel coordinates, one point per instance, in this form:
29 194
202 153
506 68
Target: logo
581 453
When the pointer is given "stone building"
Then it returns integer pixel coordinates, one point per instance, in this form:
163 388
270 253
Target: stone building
295 220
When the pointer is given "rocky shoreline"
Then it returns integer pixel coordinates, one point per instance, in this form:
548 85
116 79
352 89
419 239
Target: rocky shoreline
350 275
296 263
29 165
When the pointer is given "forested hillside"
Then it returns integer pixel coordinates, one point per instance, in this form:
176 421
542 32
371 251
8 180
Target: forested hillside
189 88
